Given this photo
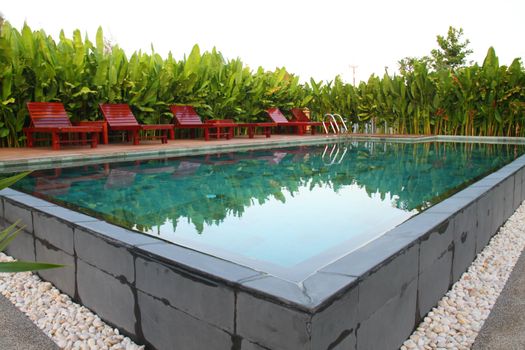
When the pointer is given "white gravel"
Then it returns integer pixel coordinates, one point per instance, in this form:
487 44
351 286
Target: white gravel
457 320
454 324
70 325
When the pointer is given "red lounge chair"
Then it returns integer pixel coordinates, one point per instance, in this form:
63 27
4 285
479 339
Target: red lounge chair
51 118
185 117
120 118
300 116
279 118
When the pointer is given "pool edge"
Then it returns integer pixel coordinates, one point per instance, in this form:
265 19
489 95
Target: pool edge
407 271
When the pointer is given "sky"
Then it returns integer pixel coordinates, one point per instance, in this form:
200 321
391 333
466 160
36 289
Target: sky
319 39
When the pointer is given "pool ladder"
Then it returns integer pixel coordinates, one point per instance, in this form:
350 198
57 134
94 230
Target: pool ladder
337 127
333 156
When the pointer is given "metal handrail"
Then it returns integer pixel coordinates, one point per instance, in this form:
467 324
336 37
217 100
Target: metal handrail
333 123
342 122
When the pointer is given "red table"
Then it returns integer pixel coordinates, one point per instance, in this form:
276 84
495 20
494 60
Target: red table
101 123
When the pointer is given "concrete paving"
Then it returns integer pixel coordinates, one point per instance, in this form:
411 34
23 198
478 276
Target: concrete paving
18 332
505 327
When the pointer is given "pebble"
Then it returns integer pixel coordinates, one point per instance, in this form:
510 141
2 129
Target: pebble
70 325
460 314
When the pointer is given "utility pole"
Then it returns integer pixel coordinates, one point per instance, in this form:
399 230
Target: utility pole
353 66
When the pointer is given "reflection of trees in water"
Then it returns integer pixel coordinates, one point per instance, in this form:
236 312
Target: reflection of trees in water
206 189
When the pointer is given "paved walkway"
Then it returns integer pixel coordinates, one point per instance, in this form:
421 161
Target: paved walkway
18 332
505 327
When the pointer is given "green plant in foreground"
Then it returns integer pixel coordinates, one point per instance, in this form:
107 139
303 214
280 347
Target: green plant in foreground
9 233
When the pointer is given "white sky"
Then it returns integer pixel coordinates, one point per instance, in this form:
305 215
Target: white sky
317 39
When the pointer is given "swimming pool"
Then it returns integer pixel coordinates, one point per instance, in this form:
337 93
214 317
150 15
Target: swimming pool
286 211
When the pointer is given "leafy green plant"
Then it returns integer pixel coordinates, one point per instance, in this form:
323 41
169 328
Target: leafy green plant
9 233
437 94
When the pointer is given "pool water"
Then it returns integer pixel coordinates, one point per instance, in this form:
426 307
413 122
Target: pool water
286 211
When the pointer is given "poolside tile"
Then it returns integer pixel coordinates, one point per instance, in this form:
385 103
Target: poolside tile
54 231
518 178
272 325
169 328
485 215
508 197
7 192
22 247
117 233
206 264
434 280
451 205
109 297
385 282
370 256
113 258
323 286
67 214
393 321
202 298
286 292
28 200
335 326
64 277
465 232
14 211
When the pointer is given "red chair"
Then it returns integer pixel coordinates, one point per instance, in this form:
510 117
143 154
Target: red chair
302 126
120 118
185 117
51 118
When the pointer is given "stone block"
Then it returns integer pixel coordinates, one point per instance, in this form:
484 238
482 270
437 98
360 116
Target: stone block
167 328
508 197
435 244
14 211
112 299
22 247
387 281
434 281
498 204
106 255
200 297
56 232
285 291
272 325
207 264
64 277
117 233
518 179
391 324
336 324
522 184
465 240
485 214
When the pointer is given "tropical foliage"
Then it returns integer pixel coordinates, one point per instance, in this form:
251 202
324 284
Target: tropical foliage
454 99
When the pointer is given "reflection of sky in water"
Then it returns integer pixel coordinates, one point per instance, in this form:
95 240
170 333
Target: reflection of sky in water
308 223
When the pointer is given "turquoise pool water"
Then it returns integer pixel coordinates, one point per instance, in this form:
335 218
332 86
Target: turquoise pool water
276 210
